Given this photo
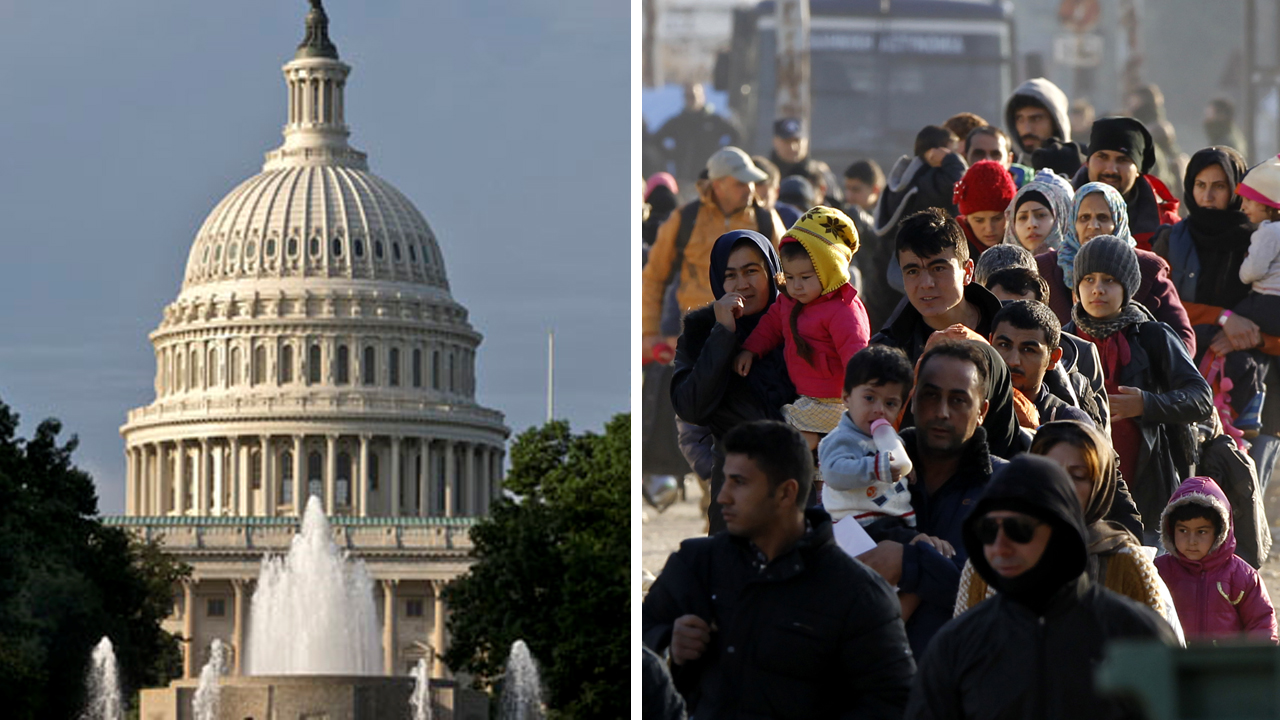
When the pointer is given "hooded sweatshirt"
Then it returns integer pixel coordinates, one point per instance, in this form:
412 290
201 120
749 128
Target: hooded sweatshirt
1218 595
1030 651
1049 96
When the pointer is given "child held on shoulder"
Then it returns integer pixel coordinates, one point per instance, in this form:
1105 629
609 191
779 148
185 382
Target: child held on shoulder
819 319
1260 196
1217 594
863 461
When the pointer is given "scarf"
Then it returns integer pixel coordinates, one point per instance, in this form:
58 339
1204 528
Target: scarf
1131 314
1114 352
1071 242
1059 203
1221 237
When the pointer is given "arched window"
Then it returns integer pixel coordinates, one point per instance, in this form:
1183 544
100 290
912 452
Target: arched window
211 368
292 247
315 247
313 363
193 370
271 247
315 476
395 251
435 369
359 247
370 365
342 488
413 254
286 364
178 370
393 367
343 371
417 367
286 477
233 372
377 249
337 247
260 365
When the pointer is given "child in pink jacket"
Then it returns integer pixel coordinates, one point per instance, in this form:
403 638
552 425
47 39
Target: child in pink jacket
820 319
1216 593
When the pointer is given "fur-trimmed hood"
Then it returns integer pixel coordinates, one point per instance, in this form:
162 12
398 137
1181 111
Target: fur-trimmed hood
1201 491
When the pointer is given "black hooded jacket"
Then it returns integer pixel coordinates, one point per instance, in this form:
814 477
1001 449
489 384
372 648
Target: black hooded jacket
812 634
704 388
1029 652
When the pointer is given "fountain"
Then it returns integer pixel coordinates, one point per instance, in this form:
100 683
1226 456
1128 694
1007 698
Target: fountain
104 685
521 688
313 612
420 701
205 703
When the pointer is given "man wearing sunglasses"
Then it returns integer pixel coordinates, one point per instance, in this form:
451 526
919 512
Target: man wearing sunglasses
772 618
1029 652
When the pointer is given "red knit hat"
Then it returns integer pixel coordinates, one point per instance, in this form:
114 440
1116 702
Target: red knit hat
985 186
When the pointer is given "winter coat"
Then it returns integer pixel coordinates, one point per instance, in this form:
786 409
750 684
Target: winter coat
835 326
857 479
1078 381
908 331
912 185
925 571
1151 205
1261 267
694 288
812 634
1030 651
660 699
1218 595
1048 95
1156 293
1174 396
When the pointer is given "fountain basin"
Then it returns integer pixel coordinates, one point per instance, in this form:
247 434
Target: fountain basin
314 697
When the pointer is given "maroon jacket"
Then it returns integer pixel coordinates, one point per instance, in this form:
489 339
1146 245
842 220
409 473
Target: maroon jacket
835 326
1156 293
1220 595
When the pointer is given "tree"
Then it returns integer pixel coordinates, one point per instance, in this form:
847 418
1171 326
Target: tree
552 568
67 580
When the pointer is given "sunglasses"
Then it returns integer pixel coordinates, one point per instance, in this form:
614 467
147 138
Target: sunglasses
1018 529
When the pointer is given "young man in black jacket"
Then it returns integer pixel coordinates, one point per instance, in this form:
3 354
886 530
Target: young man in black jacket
1029 652
772 618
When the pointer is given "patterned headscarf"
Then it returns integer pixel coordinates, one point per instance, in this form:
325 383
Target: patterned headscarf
1059 204
1071 242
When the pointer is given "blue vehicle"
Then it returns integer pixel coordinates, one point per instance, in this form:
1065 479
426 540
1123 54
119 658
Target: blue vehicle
880 70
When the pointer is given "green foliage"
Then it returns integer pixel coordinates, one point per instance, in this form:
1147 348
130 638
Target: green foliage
66 580
553 570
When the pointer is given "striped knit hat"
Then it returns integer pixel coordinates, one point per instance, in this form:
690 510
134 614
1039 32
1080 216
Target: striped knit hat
1113 256
831 239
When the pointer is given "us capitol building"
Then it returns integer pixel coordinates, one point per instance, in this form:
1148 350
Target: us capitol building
314 349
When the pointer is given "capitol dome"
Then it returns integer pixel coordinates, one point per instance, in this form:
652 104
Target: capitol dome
314 348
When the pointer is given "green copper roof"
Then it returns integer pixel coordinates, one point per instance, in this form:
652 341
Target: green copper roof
316 43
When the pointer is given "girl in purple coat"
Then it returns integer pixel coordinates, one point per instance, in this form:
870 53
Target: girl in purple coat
1216 593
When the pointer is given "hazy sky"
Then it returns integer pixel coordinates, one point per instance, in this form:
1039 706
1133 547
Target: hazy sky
505 121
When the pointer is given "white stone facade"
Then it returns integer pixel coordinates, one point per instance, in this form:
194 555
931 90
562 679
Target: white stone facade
314 349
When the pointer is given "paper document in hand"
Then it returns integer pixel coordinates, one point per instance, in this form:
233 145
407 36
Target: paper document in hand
852 538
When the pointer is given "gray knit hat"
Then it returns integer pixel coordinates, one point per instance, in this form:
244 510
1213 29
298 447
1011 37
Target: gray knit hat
1113 256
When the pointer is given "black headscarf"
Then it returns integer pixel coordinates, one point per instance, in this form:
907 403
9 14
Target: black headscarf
1038 487
1221 237
768 377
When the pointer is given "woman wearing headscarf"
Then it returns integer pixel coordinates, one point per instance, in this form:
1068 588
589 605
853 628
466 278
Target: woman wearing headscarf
1099 209
704 388
1116 559
1038 213
1204 253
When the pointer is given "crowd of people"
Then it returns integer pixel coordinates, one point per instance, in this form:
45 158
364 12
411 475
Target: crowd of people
1018 366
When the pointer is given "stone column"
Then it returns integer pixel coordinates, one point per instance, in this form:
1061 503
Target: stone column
299 500
469 481
395 476
268 487
424 471
180 478
450 469
202 478
437 631
242 484
160 470
130 483
389 626
188 627
363 493
237 637
330 473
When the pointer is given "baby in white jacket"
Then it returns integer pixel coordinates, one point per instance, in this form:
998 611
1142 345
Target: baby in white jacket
1260 194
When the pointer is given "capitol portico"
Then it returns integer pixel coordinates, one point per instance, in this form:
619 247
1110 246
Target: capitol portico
314 349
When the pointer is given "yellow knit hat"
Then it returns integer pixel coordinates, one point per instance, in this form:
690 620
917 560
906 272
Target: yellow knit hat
830 238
